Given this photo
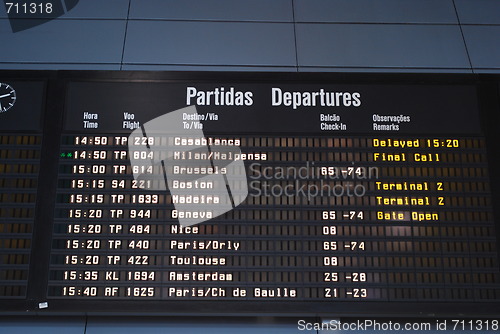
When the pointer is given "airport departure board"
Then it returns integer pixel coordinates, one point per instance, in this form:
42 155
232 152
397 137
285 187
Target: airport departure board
191 193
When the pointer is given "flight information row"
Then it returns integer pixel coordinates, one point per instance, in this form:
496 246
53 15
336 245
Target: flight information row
317 142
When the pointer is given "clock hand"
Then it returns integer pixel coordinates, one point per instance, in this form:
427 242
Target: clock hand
2 96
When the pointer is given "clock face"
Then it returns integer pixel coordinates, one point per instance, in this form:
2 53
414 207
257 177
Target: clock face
7 97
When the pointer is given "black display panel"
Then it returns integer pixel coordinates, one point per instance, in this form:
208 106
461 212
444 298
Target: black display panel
345 195
21 105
